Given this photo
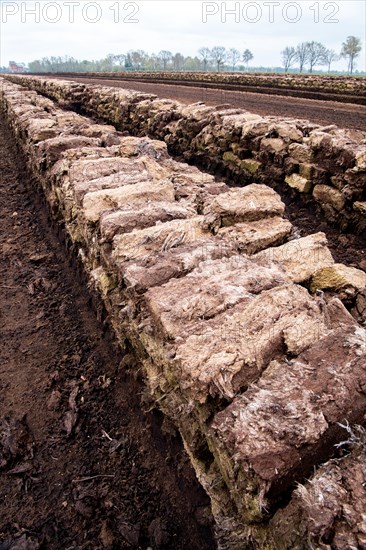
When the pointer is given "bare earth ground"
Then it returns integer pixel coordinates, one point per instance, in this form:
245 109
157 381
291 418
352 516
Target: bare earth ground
344 115
83 464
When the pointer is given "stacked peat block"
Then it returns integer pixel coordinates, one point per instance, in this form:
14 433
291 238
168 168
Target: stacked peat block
331 85
333 501
326 163
210 287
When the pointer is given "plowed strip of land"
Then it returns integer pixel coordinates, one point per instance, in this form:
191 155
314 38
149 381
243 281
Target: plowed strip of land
83 464
344 115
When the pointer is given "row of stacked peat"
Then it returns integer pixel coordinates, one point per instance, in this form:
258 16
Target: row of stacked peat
327 84
326 163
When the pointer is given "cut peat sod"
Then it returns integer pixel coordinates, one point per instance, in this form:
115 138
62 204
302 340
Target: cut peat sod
83 464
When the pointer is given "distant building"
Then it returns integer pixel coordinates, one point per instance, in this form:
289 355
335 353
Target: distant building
17 68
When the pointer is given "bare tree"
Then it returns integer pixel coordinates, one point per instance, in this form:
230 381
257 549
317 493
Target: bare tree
178 61
234 57
205 55
316 54
120 59
247 56
350 50
329 57
153 62
138 58
128 62
302 52
289 57
218 55
165 57
110 59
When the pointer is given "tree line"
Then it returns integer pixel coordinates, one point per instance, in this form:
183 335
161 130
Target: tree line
215 59
306 56
312 54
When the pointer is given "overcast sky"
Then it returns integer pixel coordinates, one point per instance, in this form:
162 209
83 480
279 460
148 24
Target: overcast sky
90 30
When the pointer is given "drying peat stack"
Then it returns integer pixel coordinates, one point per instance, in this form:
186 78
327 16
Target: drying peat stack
327 164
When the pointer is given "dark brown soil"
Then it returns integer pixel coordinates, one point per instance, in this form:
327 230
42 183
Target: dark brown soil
344 115
83 463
